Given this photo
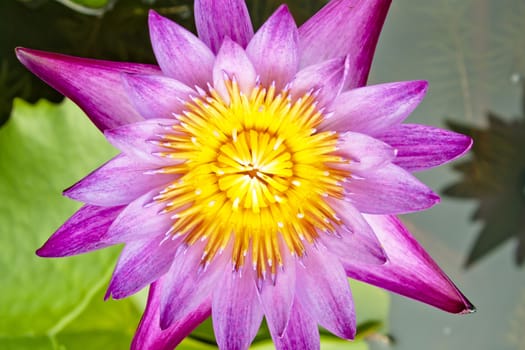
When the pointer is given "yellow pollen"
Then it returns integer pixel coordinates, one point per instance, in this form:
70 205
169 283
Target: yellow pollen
255 172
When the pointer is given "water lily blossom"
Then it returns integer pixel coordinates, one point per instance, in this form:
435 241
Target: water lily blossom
256 173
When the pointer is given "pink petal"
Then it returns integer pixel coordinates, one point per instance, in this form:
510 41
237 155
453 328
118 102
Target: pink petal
301 332
150 336
365 153
187 284
140 140
326 79
236 312
83 232
409 271
141 263
355 239
233 63
118 182
374 109
277 297
156 96
180 54
218 19
389 190
94 85
325 293
273 49
141 219
344 27
421 147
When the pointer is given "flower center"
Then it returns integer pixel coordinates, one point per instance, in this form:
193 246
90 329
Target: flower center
253 171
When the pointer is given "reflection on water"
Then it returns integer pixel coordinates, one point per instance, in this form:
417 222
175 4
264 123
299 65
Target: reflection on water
495 176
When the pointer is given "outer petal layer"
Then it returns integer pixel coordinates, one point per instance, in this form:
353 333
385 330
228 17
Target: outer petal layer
217 19
83 232
389 190
409 271
236 312
301 332
157 97
180 54
344 27
94 85
324 291
422 147
273 50
150 336
140 263
374 109
118 182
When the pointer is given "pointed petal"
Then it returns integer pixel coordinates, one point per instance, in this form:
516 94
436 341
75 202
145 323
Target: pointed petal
273 49
180 54
118 182
355 239
326 79
389 190
365 153
96 86
325 292
83 232
374 109
156 96
410 271
301 332
277 298
140 140
187 284
236 312
344 27
141 263
140 220
233 63
150 336
218 19
421 147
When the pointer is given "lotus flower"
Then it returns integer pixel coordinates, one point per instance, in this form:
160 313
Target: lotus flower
256 174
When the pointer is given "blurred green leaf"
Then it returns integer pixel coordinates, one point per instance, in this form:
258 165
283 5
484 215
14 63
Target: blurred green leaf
47 303
372 308
326 344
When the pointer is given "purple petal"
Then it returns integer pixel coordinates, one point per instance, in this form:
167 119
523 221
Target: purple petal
301 332
94 85
218 19
355 239
344 27
118 182
326 79
150 336
236 312
273 49
409 271
141 263
233 62
187 284
325 293
374 109
364 152
421 147
180 54
141 220
157 97
277 298
83 232
389 190
140 140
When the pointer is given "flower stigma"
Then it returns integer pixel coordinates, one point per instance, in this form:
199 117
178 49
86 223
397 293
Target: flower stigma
251 169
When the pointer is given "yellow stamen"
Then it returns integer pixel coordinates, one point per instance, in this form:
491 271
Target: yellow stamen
254 171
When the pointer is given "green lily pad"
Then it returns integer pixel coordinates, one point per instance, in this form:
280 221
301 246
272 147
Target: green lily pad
52 303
